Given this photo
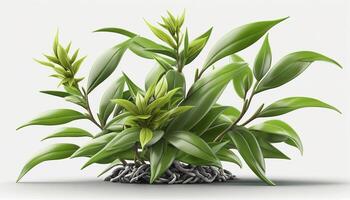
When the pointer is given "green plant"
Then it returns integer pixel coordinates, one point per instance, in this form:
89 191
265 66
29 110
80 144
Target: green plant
164 123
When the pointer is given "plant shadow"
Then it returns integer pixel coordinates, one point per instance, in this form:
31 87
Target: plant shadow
236 182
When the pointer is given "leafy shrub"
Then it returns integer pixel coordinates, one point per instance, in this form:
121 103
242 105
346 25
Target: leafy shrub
164 122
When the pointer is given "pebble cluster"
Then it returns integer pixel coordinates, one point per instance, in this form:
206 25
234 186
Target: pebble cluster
178 173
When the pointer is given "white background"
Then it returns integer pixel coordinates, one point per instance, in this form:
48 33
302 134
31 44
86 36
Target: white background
28 28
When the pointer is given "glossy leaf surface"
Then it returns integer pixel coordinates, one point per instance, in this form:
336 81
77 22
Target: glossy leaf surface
55 117
287 105
53 152
238 39
289 67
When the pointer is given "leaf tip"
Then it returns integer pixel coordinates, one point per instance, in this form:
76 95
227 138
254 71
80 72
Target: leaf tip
20 127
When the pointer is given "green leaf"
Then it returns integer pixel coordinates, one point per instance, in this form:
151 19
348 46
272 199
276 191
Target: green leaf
117 30
146 136
133 88
208 119
213 131
228 155
48 64
160 102
162 156
287 105
94 145
123 141
63 57
147 48
203 95
55 44
243 82
77 64
56 93
161 35
128 105
193 145
106 64
238 39
196 46
279 128
53 152
69 132
269 151
289 67
263 60
72 90
55 117
115 91
176 79
163 63
249 149
74 57
76 100
157 135
161 88
116 119
229 115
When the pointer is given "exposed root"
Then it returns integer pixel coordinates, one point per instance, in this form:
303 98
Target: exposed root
178 173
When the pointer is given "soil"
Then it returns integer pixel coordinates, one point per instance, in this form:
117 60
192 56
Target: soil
178 173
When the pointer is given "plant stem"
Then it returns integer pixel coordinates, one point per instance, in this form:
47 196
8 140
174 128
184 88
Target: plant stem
254 116
88 109
245 107
91 116
179 65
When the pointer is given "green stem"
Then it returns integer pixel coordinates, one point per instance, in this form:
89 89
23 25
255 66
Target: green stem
254 116
245 107
88 109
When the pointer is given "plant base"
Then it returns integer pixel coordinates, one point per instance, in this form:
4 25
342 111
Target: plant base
178 173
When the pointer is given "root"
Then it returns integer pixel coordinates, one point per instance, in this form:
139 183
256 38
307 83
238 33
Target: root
178 173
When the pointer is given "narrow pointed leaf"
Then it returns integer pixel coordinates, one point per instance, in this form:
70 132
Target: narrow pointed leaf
56 93
69 132
105 65
203 95
117 30
53 152
287 105
245 144
289 67
161 35
146 136
228 155
123 141
176 79
238 39
128 105
162 156
208 119
279 128
243 82
263 60
157 135
269 151
193 145
55 117
63 57
94 145
115 91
